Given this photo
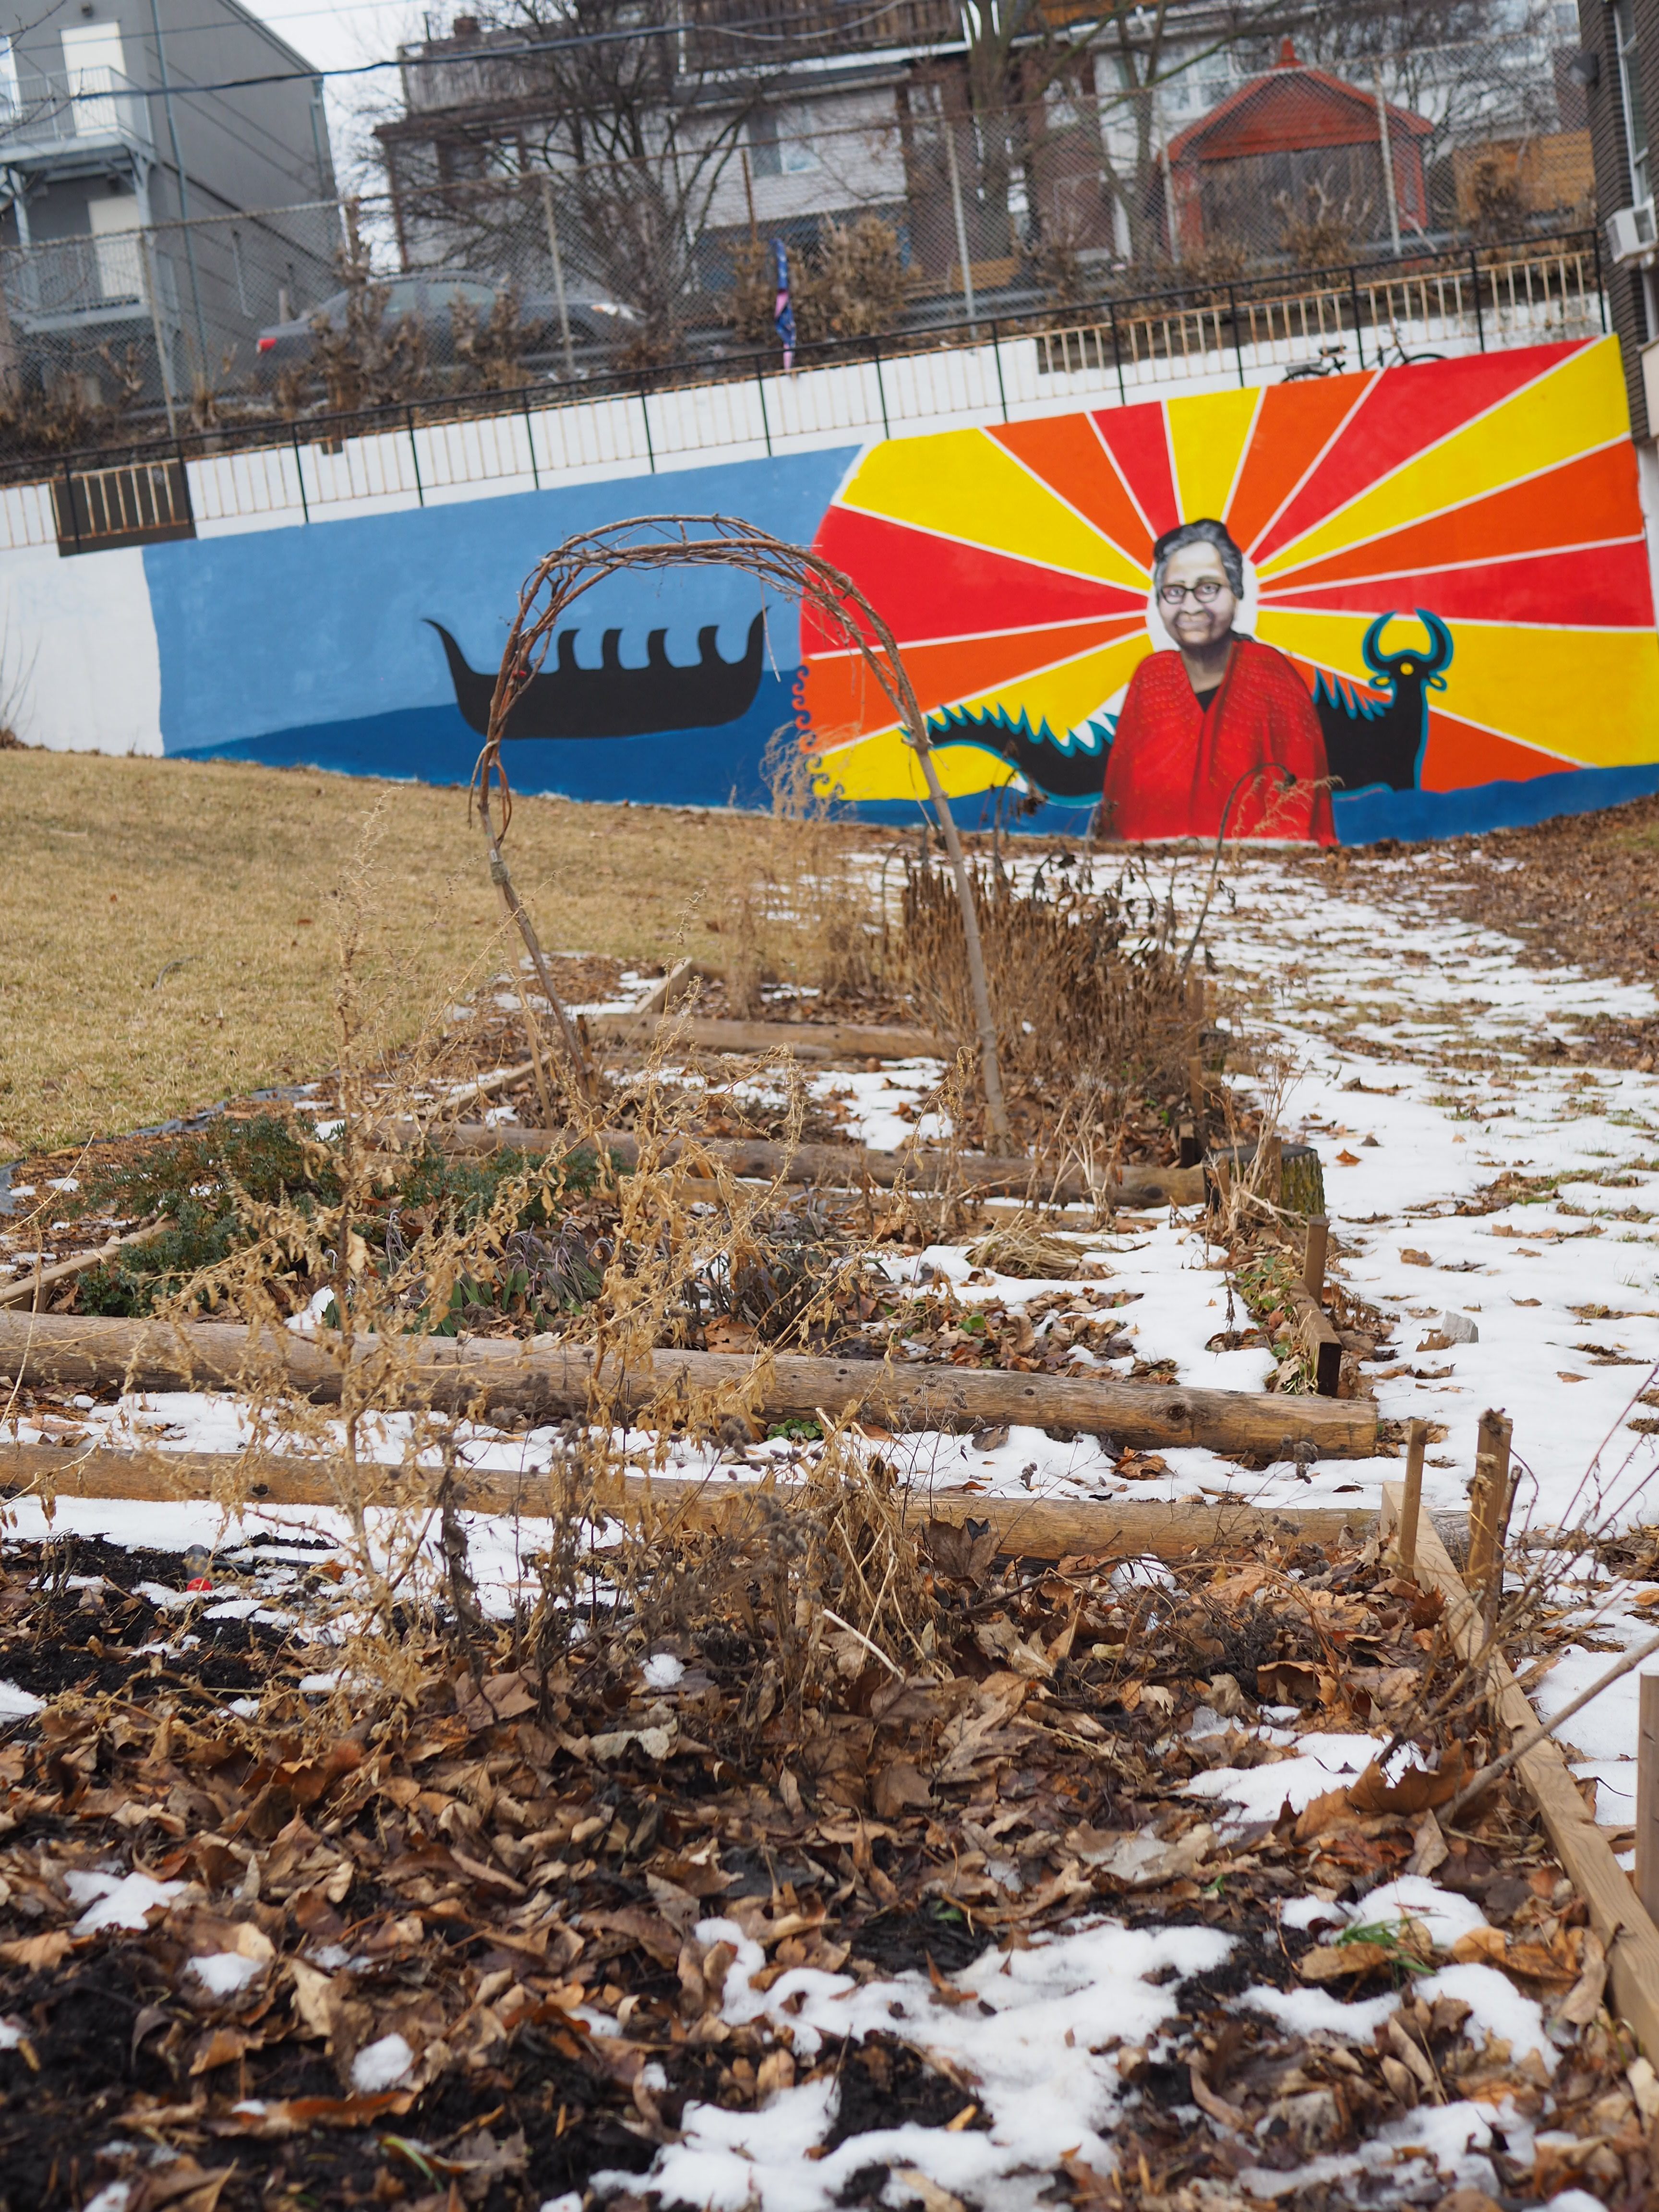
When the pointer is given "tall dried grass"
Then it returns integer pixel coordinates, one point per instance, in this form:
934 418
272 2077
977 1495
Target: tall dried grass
1093 1010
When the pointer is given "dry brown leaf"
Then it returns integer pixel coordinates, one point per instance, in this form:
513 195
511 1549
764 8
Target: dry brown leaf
183 2186
1481 1947
222 2046
38 1953
1336 1962
1416 1792
1584 1999
1216 2107
898 1787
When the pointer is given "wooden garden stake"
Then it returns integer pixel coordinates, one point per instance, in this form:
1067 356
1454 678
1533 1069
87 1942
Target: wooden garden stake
1647 1794
1313 1257
1417 1437
1489 1507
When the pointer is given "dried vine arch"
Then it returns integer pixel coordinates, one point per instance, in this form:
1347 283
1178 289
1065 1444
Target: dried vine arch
667 541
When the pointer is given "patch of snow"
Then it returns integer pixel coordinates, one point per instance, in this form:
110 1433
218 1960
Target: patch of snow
14 1703
225 1972
1321 1763
382 2065
1302 1912
663 1671
117 1900
1497 2008
1446 1916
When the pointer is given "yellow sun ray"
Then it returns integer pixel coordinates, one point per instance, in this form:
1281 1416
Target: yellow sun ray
964 485
1208 433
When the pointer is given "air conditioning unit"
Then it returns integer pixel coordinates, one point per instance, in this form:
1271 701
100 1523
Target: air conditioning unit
1630 235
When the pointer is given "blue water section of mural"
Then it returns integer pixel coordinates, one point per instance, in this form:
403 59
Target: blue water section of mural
1369 817
277 644
436 745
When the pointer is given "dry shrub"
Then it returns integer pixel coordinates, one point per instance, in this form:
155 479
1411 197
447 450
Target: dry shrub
365 362
854 281
1321 233
489 349
849 285
1092 1012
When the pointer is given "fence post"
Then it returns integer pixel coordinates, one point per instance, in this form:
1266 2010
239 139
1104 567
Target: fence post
1238 348
415 455
1358 336
1600 288
760 387
529 433
881 391
645 416
300 473
1647 1791
1117 354
996 354
1479 321
69 494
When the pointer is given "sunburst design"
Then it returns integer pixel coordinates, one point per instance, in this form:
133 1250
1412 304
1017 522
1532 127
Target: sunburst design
1499 492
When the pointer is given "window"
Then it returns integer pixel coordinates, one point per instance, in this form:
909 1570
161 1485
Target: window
1635 121
776 145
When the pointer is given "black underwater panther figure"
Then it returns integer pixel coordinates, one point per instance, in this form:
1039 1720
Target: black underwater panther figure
1070 769
614 701
1367 741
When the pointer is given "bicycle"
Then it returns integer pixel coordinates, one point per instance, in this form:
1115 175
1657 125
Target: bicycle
1333 361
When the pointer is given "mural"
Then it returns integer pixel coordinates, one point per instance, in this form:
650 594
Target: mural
1408 603
1440 569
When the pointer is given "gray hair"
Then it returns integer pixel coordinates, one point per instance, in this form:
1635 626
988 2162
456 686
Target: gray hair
1205 532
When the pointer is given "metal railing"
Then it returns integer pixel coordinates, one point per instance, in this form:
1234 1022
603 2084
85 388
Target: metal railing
1377 311
53 110
425 453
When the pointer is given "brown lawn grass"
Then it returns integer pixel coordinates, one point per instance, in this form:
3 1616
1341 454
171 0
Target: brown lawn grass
169 930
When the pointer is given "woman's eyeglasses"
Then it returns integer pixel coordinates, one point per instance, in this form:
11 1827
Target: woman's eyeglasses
1206 589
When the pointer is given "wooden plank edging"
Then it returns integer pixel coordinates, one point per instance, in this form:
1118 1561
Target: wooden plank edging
540 1377
1617 1914
1036 1527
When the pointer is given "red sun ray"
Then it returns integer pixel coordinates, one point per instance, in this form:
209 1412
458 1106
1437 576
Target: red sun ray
1460 755
1138 440
1612 590
1295 422
928 587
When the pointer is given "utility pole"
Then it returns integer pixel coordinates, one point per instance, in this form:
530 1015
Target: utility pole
183 188
1386 142
961 220
558 273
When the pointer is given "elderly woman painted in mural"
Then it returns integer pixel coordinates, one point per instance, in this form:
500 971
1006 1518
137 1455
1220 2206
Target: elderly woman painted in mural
1221 719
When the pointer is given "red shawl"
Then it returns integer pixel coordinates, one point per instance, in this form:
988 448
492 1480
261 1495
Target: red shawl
1173 762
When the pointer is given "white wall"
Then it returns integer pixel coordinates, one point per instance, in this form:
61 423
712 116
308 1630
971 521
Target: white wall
80 669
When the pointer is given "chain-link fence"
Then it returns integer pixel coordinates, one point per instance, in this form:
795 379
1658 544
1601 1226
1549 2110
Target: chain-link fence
898 213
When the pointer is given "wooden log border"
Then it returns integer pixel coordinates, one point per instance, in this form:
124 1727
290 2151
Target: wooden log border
1617 1914
1032 1527
541 1376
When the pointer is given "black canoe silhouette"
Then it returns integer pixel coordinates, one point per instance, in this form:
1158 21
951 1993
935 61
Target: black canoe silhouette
614 701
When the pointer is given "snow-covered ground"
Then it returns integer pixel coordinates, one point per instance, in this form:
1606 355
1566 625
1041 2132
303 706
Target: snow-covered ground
1406 1048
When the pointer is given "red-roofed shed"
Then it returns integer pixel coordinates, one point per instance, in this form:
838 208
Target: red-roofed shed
1296 141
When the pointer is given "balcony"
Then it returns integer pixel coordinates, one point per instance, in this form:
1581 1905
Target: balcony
74 119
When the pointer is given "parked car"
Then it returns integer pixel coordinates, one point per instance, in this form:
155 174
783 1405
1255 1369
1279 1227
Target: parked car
428 296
